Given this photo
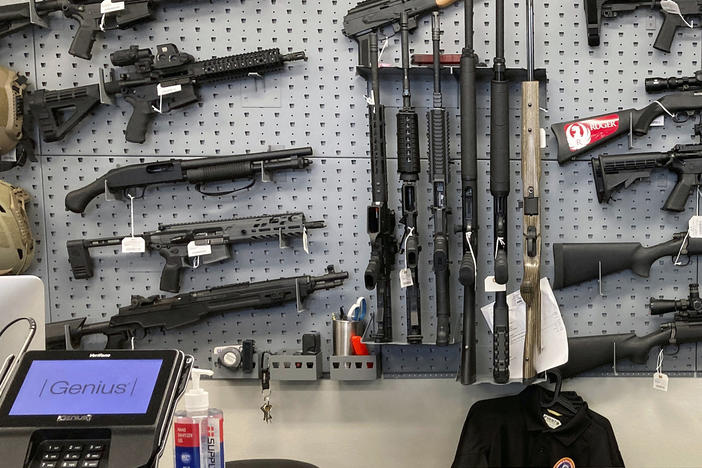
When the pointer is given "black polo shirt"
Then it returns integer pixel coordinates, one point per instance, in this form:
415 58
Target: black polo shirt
513 431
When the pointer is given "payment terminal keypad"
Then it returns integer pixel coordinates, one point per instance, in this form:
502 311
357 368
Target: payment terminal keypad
71 454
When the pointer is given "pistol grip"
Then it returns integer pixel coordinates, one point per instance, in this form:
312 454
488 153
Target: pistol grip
170 277
140 121
82 44
681 192
665 36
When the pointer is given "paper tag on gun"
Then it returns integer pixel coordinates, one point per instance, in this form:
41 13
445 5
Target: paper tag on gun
406 278
660 382
165 90
695 227
195 250
133 245
554 339
108 6
658 121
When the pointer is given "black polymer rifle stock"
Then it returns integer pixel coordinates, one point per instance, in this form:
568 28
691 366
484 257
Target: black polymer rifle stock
437 118
154 84
408 167
145 314
595 10
621 170
380 218
499 187
589 352
467 272
579 262
132 180
531 176
172 243
90 15
369 16
581 136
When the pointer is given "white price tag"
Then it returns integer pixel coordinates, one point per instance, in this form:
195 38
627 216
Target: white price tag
493 286
695 227
195 250
133 245
542 135
10 156
660 382
108 6
305 241
658 121
406 278
165 90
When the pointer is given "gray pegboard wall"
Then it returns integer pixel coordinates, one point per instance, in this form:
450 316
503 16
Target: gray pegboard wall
321 103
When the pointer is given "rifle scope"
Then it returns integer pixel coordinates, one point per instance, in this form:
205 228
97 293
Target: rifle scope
692 304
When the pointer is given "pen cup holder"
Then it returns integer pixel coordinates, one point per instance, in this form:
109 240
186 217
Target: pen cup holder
354 367
295 366
342 331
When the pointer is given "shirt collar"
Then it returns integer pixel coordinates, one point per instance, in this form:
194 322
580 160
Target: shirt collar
571 429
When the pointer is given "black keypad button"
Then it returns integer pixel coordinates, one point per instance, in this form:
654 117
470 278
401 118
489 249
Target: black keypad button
48 465
50 456
96 447
93 456
53 448
90 464
75 448
69 464
72 456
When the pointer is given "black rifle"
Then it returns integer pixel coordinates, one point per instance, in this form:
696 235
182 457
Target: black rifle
467 272
596 9
589 352
499 187
408 167
437 118
133 179
614 171
581 136
381 219
155 84
88 13
168 313
172 241
686 83
576 263
369 16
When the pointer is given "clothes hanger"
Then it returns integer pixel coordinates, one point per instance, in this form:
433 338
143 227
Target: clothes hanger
558 398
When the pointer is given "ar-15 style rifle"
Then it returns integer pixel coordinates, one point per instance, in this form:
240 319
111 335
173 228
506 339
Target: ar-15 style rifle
93 17
155 84
672 20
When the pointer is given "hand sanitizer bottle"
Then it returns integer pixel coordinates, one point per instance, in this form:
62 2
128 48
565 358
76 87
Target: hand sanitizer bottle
199 439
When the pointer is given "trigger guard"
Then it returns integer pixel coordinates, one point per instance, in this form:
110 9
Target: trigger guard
681 117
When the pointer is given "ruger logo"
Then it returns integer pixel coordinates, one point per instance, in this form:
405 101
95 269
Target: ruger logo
585 132
75 418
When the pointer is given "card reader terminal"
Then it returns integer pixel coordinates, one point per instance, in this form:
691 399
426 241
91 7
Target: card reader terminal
83 409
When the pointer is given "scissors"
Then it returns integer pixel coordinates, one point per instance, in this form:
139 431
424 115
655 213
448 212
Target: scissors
357 312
